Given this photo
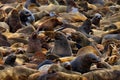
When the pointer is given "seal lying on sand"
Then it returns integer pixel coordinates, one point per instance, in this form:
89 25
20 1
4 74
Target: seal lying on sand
83 62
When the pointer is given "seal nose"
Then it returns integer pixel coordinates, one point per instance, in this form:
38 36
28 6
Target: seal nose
98 16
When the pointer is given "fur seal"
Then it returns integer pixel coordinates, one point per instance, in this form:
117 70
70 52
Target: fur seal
110 36
64 67
85 28
26 16
112 26
96 19
62 47
104 74
4 40
48 25
10 60
80 38
61 76
83 62
13 20
34 44
16 73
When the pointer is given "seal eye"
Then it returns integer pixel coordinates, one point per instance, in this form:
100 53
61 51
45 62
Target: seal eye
27 13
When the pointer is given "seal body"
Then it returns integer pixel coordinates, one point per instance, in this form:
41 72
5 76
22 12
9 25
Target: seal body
26 16
83 62
62 47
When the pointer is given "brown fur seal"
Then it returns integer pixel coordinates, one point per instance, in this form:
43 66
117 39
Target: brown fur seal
83 62
40 15
3 27
34 44
16 73
112 60
105 74
110 36
110 42
64 67
80 38
85 28
61 76
48 25
13 20
62 47
3 40
112 26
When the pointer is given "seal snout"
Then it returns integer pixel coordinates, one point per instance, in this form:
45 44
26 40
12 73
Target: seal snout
95 60
98 16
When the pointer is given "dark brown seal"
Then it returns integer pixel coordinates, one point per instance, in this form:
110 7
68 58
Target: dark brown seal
34 44
83 62
13 20
62 47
